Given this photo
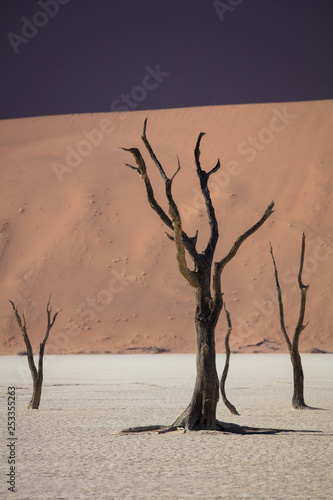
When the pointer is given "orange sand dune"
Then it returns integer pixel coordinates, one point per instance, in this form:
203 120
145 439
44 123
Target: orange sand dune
75 221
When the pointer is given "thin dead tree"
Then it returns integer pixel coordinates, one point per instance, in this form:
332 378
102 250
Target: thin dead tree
293 346
37 374
229 405
205 279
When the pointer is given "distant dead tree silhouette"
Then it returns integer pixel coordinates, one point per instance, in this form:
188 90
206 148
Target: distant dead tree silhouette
293 346
37 374
229 405
205 279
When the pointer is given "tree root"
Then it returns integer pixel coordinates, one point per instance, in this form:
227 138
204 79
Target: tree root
306 407
145 428
223 427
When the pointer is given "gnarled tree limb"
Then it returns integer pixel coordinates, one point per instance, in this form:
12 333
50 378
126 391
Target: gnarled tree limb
281 309
220 265
142 170
303 289
190 276
23 328
229 405
203 178
188 242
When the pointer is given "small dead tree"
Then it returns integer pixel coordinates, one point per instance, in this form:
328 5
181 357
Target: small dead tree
205 279
293 346
37 374
230 406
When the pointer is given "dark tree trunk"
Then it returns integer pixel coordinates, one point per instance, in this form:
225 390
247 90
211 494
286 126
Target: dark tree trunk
36 393
298 395
201 412
37 381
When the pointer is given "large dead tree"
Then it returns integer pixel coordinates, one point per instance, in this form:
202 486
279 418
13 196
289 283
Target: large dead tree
293 346
36 373
205 279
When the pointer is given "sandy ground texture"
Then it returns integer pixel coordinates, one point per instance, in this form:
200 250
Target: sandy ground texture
75 221
68 450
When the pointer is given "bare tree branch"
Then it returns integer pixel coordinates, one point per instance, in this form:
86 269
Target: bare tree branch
269 210
300 284
220 265
279 292
50 322
230 406
194 238
131 166
23 328
303 288
203 178
215 169
169 236
151 152
188 242
190 276
142 170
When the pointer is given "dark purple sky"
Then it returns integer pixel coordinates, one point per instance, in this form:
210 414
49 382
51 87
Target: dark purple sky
90 55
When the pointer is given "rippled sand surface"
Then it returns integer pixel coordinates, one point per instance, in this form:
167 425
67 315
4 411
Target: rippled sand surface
68 449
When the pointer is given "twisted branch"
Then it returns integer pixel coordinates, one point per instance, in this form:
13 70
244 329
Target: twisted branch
23 328
173 220
230 406
220 265
281 309
303 289
292 346
203 178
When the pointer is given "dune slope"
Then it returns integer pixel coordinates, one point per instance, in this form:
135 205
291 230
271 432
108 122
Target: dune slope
75 221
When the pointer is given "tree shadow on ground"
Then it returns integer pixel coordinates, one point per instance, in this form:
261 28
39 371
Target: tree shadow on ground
220 427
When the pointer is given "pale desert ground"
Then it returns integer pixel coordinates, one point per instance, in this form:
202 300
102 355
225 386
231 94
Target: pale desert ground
75 221
68 450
